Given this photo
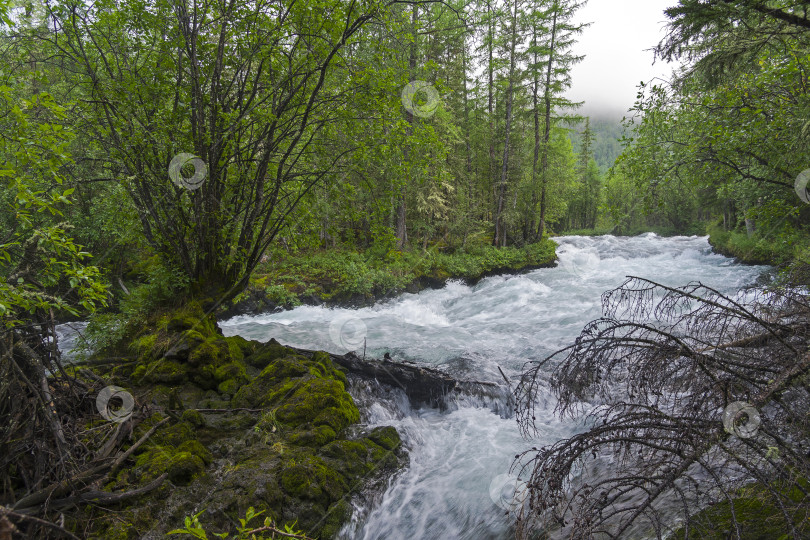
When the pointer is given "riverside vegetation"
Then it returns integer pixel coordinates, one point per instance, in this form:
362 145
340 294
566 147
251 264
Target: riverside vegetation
330 173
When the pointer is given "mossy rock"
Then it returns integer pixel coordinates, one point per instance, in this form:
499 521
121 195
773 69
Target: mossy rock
162 371
312 479
315 437
173 450
192 317
759 518
262 355
338 514
295 466
229 386
196 448
387 437
194 418
174 435
184 467
356 458
319 402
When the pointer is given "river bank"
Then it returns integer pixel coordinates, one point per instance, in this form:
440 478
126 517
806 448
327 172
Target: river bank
341 277
220 425
770 247
458 458
469 332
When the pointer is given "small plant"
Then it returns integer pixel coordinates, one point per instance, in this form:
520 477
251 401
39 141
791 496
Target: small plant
267 426
268 531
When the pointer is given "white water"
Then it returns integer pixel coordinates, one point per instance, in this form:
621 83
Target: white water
457 458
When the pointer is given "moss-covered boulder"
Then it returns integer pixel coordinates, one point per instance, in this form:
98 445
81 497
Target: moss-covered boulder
756 511
249 424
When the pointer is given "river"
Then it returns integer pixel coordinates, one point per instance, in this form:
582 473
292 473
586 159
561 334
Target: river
459 459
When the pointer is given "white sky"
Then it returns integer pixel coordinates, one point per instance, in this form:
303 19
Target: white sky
616 52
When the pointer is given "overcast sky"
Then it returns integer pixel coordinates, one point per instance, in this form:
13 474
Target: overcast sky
616 52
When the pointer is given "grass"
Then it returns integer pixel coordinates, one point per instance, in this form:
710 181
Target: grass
348 275
775 247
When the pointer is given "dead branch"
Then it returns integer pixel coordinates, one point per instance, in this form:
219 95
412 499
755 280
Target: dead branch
653 377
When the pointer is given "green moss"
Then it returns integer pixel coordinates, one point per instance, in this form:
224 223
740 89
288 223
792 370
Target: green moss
152 463
184 467
192 317
294 465
387 437
229 387
174 435
209 351
175 452
758 515
144 345
337 515
319 402
117 530
236 348
164 371
315 437
267 353
233 370
196 448
194 418
312 479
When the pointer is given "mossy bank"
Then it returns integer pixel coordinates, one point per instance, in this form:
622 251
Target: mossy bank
241 424
355 278
774 247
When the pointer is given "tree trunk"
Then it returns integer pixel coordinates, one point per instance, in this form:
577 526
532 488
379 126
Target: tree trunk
508 117
402 230
536 155
541 229
490 89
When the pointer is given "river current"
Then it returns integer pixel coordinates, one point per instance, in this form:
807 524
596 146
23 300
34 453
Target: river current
456 483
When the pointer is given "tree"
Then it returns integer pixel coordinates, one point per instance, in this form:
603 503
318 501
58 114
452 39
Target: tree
557 66
44 274
586 195
656 372
722 38
512 79
243 86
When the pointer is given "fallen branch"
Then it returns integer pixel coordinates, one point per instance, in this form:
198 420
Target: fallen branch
422 385
45 523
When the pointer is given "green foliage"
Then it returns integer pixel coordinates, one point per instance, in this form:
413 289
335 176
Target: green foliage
41 268
194 528
734 148
159 286
777 246
341 275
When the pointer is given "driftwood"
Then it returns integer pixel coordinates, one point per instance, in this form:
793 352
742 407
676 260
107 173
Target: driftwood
422 385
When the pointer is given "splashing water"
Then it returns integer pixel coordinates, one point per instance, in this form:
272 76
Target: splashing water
458 457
